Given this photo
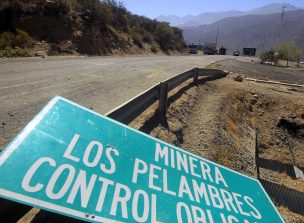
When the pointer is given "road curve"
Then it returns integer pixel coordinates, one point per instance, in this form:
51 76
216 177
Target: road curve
100 83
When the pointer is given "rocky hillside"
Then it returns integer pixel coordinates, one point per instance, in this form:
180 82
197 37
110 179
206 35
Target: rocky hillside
258 31
89 27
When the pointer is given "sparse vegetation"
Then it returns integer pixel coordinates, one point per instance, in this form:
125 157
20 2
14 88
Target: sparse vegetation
269 56
15 44
18 39
22 39
284 51
15 52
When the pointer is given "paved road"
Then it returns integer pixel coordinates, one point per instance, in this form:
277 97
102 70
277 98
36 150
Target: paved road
100 83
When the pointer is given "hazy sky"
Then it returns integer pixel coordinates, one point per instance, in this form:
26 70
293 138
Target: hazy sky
154 8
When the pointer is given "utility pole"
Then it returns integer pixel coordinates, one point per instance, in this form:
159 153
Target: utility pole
217 31
282 21
264 39
283 13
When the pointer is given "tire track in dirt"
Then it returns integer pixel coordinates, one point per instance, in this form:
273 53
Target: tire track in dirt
201 127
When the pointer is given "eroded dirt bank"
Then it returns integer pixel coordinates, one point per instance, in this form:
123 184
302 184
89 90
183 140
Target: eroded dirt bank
218 120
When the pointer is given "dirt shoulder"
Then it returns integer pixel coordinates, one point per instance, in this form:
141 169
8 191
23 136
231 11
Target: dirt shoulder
256 70
218 121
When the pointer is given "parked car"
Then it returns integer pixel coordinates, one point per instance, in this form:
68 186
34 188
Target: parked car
236 53
193 51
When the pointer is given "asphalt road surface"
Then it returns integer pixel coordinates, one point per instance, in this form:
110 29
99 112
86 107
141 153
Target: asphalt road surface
99 83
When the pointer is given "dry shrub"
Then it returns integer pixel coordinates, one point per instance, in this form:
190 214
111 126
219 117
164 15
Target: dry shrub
19 39
23 39
6 39
15 52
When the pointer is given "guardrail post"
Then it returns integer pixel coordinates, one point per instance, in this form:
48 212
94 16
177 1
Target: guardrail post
257 156
195 76
291 148
163 98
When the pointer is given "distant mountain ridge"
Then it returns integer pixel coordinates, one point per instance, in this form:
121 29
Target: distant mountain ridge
175 20
272 8
212 17
257 31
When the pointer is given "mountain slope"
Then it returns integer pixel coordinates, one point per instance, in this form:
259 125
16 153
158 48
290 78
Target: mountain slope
212 17
258 31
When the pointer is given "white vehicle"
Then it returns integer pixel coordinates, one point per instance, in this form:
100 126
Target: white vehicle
236 53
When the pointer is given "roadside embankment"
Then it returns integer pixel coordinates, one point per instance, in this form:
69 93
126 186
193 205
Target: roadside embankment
218 120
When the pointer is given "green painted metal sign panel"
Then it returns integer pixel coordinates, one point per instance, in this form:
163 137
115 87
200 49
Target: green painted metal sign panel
75 162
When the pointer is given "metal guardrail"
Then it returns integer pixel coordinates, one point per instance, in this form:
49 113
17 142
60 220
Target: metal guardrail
127 112
285 196
277 166
132 108
179 79
11 212
281 195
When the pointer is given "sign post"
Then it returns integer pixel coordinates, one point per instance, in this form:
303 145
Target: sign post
73 161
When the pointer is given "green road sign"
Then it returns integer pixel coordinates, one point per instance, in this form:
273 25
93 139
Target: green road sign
75 162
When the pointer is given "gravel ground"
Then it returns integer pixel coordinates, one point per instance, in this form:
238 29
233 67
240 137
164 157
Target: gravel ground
256 70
